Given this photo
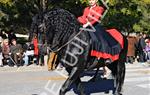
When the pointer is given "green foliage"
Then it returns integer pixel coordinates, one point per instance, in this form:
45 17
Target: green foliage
9 2
126 15
17 14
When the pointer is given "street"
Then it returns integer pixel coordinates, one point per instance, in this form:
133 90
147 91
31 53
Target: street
36 80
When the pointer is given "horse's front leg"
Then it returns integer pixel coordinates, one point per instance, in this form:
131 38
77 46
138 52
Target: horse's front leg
73 76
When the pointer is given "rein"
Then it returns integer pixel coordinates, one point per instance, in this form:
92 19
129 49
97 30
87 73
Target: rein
64 44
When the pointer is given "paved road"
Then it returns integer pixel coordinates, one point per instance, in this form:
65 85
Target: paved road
36 80
137 80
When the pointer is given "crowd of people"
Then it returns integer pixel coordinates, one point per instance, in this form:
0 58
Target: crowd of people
138 48
13 53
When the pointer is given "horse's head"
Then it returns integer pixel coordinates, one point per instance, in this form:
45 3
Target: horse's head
58 24
38 25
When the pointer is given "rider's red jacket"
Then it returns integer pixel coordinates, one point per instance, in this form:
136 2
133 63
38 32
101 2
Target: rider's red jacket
91 14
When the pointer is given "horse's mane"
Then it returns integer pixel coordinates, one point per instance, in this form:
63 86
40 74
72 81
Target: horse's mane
36 21
62 24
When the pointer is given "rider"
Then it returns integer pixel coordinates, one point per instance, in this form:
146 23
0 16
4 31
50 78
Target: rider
104 45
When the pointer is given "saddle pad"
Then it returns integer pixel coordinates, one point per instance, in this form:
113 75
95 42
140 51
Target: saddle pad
116 35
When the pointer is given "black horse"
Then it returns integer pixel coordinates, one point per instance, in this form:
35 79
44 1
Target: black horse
73 46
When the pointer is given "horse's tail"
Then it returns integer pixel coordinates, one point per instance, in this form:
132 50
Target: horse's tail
120 63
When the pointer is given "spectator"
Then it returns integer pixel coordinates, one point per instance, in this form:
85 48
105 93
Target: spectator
36 49
11 36
42 52
5 52
132 41
141 47
147 49
1 57
26 58
28 53
16 52
25 55
3 34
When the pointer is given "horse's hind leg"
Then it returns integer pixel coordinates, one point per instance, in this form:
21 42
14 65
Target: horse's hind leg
80 87
73 76
120 72
119 79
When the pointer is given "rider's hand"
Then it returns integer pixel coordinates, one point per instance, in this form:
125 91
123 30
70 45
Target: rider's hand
87 24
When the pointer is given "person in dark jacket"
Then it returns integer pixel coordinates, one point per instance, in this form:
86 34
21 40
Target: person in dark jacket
141 47
42 50
3 34
16 53
11 36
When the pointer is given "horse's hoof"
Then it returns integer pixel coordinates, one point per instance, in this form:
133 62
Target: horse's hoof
61 92
106 92
104 78
118 94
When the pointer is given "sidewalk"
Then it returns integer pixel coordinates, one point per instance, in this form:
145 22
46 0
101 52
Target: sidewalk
34 68
30 68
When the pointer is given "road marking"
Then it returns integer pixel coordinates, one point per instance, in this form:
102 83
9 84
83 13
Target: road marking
138 79
134 65
136 74
138 69
52 78
144 86
22 70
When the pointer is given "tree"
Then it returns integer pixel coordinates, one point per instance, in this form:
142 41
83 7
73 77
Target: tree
17 14
143 25
126 15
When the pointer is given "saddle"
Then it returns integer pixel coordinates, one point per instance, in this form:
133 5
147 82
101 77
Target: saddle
117 36
106 51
